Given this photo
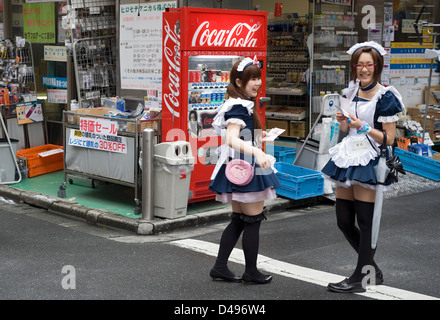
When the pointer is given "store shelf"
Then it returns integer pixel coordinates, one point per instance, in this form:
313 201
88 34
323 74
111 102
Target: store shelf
286 64
287 91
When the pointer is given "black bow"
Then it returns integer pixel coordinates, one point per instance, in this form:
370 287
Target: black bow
395 166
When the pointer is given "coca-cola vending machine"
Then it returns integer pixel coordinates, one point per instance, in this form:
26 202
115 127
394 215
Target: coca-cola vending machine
200 46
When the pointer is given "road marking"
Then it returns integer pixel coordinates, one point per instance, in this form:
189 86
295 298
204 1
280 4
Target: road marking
301 273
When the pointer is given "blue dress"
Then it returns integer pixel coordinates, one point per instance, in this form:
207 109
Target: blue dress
265 180
353 159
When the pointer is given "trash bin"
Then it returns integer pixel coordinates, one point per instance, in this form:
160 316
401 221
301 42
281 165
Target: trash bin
173 163
7 163
308 156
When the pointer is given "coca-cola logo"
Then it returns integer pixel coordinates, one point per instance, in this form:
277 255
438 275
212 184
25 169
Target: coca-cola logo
171 45
207 119
240 35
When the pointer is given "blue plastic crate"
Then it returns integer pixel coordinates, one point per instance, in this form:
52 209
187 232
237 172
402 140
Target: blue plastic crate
420 165
281 153
298 182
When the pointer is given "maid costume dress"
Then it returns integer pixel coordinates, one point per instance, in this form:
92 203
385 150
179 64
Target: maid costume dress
264 182
353 159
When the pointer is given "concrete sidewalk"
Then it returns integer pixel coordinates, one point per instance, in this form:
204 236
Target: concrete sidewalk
139 226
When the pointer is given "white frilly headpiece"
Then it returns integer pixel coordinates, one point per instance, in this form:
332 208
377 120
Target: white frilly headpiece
371 44
246 62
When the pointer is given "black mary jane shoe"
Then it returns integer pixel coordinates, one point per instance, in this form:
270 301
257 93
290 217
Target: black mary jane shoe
215 275
262 279
345 287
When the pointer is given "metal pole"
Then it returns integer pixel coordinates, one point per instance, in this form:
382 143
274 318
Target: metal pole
428 93
147 174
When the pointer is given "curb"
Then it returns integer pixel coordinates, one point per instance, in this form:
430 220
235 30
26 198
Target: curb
138 226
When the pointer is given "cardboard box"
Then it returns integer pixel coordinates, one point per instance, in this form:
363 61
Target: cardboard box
432 99
144 124
298 129
83 112
413 111
420 110
282 124
436 156
429 123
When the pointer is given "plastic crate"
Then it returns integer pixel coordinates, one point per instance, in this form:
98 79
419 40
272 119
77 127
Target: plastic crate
40 163
419 165
298 182
282 154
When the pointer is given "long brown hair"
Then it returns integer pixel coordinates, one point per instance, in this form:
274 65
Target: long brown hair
377 59
234 91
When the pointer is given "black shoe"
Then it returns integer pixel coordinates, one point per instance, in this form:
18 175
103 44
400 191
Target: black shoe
218 275
345 287
379 278
261 279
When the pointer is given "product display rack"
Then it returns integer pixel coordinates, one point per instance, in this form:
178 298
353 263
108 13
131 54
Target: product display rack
97 165
333 34
287 62
94 50
17 70
17 83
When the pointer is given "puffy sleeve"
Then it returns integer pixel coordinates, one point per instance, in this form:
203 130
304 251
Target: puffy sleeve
238 114
388 108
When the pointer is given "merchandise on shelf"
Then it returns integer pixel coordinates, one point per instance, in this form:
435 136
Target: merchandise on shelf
17 81
287 62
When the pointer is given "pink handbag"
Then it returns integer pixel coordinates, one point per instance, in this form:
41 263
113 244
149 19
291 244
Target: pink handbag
239 172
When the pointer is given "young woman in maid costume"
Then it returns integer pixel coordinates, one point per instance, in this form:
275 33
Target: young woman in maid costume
241 133
373 112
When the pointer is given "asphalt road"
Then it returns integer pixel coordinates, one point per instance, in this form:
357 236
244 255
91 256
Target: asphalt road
47 256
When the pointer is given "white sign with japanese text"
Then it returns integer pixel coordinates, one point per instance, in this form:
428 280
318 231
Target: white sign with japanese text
56 95
99 134
140 45
55 53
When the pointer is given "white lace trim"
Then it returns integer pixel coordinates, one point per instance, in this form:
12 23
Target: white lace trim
247 197
235 121
219 120
344 158
353 87
349 183
387 119
371 44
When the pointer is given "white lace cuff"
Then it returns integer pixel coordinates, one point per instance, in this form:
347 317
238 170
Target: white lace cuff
235 121
388 119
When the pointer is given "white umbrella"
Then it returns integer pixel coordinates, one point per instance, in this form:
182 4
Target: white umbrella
382 171
386 172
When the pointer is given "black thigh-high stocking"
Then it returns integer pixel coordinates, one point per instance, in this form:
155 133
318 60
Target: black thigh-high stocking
364 213
227 243
250 241
345 217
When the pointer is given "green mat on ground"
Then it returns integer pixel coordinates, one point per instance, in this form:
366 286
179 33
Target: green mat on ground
108 196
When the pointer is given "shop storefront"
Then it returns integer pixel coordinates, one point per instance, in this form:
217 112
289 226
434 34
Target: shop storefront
104 55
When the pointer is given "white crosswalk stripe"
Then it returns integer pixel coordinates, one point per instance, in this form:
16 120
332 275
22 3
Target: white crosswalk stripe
317 277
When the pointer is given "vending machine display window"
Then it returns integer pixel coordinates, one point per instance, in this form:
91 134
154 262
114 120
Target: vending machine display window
207 83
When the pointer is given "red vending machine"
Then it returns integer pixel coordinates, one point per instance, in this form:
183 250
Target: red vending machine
200 46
